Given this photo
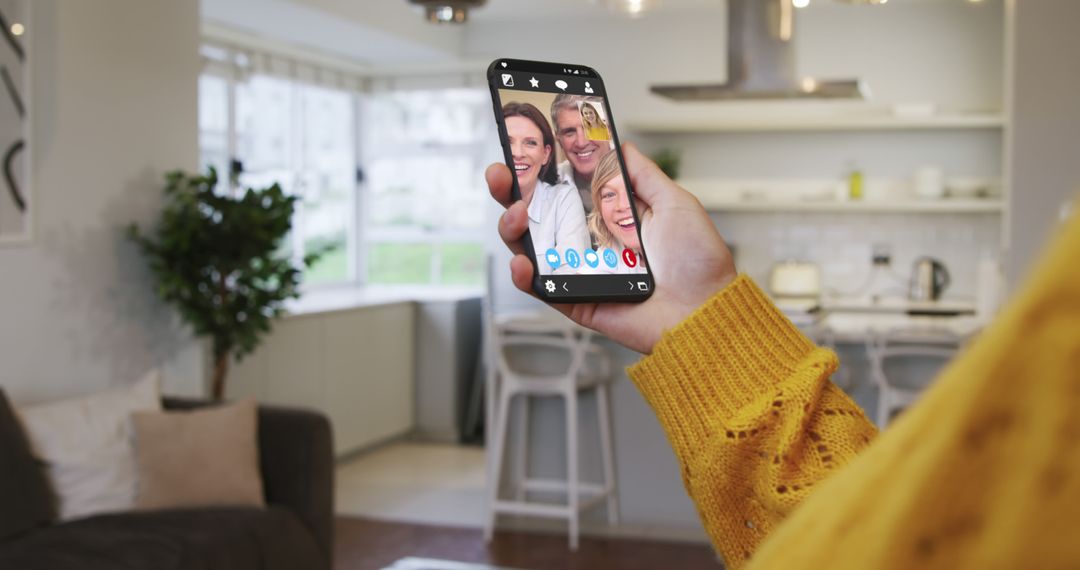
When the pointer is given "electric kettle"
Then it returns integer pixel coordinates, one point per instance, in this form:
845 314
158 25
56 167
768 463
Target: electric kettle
929 278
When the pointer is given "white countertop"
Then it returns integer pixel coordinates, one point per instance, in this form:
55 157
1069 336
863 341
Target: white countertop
332 299
951 320
858 327
833 325
898 305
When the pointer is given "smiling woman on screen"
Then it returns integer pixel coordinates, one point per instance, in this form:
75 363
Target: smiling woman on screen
556 216
595 128
612 220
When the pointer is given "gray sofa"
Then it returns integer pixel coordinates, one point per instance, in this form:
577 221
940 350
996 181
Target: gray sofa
293 532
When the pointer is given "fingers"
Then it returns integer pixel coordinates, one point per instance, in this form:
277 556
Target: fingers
500 181
643 209
515 220
512 226
521 273
650 183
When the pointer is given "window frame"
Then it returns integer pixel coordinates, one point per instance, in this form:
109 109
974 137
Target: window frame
476 151
360 236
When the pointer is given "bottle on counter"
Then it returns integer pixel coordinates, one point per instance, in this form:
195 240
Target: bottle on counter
988 287
855 182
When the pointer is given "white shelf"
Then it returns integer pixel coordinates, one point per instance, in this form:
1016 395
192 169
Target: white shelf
765 123
944 206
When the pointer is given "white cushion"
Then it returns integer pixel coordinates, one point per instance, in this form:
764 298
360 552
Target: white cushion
86 445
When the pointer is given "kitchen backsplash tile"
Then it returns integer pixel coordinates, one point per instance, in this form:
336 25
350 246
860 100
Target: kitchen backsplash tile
842 244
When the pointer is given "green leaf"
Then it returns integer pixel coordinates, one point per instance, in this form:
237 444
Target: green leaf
216 258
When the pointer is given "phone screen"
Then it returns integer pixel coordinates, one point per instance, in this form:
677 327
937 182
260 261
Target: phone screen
560 141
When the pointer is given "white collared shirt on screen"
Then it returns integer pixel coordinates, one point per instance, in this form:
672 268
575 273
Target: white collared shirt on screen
566 176
557 220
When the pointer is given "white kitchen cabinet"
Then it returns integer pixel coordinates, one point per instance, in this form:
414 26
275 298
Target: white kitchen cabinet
355 365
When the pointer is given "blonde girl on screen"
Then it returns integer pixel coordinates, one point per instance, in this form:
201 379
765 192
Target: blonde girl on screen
612 222
595 128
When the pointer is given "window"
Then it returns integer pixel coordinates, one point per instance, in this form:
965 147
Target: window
303 137
425 152
214 123
391 182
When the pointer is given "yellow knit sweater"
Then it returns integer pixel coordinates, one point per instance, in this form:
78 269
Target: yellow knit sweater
787 471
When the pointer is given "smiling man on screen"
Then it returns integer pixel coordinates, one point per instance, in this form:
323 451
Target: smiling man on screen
582 154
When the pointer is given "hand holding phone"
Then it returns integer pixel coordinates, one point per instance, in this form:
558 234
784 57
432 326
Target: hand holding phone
690 260
559 139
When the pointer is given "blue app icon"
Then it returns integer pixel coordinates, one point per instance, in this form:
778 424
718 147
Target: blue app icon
591 258
553 260
573 259
610 258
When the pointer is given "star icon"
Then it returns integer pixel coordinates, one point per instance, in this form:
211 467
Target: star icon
535 82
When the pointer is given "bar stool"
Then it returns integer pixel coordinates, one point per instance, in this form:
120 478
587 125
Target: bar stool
882 348
589 369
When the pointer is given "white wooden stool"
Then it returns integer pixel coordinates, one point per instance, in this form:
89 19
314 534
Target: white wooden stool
589 369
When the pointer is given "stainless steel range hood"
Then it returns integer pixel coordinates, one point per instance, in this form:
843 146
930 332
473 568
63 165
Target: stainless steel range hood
761 61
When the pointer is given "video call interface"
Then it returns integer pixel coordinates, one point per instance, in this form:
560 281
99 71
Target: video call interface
580 216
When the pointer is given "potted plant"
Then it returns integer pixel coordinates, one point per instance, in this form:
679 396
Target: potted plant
669 161
218 259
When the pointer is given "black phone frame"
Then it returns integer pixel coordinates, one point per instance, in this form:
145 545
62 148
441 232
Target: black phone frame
610 288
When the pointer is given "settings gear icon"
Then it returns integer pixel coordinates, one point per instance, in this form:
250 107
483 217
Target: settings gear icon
550 286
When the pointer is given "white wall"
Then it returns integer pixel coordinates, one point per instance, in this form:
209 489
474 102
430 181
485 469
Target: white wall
948 53
842 244
1045 125
114 107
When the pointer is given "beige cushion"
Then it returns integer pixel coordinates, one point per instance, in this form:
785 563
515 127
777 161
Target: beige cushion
198 458
85 444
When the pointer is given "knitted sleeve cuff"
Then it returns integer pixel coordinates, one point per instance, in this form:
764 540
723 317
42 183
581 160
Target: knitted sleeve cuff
730 351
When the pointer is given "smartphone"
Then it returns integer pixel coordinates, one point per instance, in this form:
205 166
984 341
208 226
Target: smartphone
559 138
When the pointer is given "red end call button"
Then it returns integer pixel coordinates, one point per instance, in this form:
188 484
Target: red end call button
629 258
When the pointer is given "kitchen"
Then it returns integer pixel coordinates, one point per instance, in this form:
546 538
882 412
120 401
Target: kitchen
878 222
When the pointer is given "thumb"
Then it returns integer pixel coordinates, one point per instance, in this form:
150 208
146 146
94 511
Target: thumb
650 183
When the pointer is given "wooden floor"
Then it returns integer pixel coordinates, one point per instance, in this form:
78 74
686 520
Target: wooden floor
364 544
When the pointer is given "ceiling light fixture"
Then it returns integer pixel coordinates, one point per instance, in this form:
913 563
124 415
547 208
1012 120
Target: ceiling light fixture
448 11
800 3
632 8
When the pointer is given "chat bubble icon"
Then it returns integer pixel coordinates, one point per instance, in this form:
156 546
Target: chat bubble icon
561 84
